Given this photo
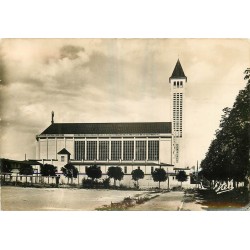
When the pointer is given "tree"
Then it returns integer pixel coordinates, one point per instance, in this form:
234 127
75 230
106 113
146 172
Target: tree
247 75
70 171
26 169
48 170
181 176
115 173
228 155
136 175
5 167
94 172
159 175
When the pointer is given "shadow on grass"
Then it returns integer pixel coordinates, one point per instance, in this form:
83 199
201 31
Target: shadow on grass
231 200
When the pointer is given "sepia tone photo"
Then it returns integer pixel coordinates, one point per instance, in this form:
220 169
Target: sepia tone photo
125 124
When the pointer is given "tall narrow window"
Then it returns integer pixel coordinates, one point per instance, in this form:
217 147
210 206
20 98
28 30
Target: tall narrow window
79 150
153 150
116 148
140 151
128 150
103 150
91 150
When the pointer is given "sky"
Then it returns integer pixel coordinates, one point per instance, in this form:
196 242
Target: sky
115 80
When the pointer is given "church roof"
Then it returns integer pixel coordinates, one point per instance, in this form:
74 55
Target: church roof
178 71
109 128
64 151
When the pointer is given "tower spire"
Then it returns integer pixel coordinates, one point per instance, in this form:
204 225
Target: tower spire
178 72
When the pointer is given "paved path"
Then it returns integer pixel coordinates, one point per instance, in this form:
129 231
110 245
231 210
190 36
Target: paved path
193 206
171 201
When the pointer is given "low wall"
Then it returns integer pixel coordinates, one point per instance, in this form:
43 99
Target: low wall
146 182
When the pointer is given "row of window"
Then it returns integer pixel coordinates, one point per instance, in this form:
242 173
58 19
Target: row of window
178 133
126 169
177 125
178 84
177 105
131 151
177 122
178 94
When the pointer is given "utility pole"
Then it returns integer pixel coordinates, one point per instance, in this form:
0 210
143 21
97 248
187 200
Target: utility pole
197 174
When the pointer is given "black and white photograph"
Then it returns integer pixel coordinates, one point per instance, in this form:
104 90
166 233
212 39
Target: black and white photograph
125 124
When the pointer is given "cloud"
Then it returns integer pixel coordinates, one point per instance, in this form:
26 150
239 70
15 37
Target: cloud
71 52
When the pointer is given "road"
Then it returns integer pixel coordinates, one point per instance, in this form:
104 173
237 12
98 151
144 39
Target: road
170 201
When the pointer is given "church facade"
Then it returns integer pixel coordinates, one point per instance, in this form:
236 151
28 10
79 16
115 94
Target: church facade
144 145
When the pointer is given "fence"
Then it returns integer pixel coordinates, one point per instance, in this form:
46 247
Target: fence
16 179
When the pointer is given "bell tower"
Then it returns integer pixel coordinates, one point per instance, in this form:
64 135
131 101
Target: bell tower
178 82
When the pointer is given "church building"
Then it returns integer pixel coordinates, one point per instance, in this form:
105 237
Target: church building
144 145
